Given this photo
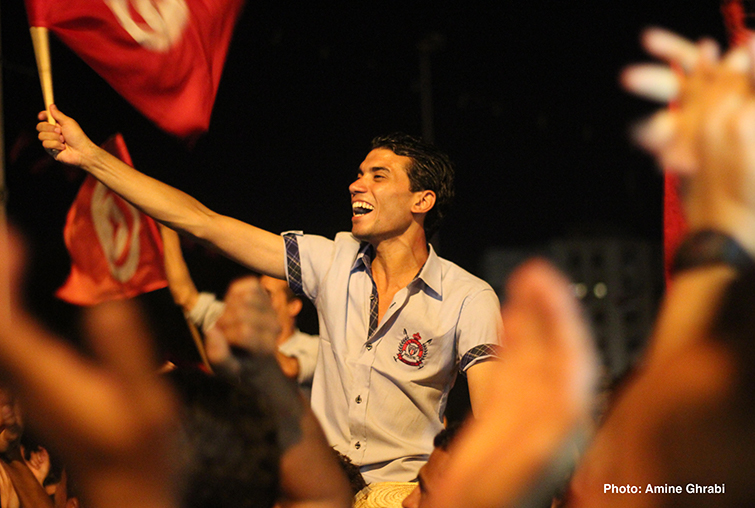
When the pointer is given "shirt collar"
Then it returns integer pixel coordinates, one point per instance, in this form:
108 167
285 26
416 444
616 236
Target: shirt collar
430 274
364 257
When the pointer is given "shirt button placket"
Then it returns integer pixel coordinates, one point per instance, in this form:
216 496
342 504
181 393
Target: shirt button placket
358 406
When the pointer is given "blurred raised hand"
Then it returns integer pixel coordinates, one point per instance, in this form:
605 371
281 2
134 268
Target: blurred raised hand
108 415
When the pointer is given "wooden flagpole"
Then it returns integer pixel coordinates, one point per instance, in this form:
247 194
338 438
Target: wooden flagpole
198 343
41 40
179 283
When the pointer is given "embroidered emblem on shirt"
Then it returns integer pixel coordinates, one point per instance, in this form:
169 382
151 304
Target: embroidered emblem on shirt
412 351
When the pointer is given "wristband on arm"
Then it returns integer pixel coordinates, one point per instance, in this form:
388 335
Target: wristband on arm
709 247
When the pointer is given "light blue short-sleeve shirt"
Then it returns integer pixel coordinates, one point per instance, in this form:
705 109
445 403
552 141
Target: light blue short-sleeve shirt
380 389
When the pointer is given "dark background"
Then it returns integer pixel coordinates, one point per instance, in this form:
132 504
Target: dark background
525 100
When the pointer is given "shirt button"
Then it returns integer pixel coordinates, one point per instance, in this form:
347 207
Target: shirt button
369 346
357 445
372 297
358 399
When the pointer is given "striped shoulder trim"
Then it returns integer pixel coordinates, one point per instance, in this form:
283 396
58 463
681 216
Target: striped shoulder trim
293 263
479 353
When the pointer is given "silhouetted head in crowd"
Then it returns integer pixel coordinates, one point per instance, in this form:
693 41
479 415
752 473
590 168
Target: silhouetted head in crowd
232 455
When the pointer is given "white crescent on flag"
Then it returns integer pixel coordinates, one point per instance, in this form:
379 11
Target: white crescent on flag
164 21
117 225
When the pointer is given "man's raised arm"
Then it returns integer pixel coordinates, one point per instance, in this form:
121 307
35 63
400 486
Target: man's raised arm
256 248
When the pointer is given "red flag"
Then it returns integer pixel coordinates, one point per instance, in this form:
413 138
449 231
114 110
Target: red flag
164 56
738 18
674 221
116 251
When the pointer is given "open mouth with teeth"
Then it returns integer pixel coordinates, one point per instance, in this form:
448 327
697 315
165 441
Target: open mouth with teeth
359 208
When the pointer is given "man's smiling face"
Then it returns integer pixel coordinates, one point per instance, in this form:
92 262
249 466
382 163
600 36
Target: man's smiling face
381 197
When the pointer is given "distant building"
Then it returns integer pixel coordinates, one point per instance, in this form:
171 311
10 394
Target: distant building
618 280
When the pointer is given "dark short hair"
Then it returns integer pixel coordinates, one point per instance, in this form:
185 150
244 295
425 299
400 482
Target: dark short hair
354 475
430 169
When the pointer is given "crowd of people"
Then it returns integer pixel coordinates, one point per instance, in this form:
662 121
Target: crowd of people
397 323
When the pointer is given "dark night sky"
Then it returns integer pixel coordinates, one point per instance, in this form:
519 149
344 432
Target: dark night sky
526 102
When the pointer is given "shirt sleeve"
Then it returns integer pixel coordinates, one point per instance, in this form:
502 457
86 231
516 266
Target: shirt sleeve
480 329
304 348
308 259
206 311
